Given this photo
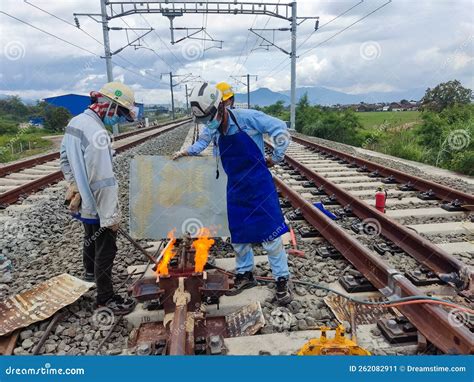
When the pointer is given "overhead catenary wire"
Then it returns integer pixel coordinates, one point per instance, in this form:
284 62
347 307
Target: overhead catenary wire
92 37
163 42
239 72
83 31
75 45
204 27
329 22
348 27
146 44
63 20
276 70
243 47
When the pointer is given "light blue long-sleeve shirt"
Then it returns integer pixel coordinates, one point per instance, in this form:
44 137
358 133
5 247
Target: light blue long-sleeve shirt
255 124
86 159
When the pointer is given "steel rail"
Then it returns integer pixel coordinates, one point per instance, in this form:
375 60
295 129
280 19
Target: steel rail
17 166
432 321
31 162
15 194
447 267
444 193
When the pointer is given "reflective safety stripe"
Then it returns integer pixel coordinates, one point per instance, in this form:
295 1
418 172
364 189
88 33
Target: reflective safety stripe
78 134
108 182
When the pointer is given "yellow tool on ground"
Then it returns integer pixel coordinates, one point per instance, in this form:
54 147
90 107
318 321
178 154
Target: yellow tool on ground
339 345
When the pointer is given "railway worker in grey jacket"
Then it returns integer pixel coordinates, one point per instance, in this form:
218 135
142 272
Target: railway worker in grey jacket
86 162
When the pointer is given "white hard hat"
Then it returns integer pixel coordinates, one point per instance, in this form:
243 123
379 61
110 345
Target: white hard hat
204 100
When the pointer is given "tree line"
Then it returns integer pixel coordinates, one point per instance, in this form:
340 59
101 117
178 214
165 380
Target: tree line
14 111
444 137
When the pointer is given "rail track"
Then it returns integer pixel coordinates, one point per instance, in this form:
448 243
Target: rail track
364 236
28 176
437 256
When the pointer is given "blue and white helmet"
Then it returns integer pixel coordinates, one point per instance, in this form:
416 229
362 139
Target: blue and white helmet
204 101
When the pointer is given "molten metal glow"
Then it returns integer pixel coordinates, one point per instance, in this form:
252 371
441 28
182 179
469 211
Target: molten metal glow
202 245
168 253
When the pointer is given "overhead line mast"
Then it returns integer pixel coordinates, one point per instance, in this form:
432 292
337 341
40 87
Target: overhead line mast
280 11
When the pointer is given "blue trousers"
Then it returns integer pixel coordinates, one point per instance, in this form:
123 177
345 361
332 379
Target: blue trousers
277 257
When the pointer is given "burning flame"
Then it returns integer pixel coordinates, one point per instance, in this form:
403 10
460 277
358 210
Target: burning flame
168 253
202 245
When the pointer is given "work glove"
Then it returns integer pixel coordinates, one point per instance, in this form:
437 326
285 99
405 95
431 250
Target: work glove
179 154
114 227
269 162
73 198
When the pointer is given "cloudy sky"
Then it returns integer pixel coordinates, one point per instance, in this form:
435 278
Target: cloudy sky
405 45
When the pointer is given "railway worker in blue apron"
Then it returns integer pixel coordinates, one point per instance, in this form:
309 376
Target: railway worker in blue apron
253 207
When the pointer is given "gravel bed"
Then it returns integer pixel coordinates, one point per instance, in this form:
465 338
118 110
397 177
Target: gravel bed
45 241
430 220
458 184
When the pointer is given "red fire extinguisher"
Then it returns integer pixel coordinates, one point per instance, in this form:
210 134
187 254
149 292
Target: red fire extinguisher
380 199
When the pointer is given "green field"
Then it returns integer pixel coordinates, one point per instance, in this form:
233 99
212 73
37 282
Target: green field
22 144
391 119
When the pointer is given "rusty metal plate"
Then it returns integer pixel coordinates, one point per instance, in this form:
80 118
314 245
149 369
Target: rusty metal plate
40 302
246 321
148 332
7 343
183 195
363 314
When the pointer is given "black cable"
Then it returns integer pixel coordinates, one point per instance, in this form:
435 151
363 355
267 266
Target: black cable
329 38
76 46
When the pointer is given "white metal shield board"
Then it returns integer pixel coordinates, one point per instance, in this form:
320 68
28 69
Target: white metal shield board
183 195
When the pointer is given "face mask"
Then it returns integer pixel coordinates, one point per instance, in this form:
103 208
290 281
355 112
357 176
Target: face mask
213 125
110 121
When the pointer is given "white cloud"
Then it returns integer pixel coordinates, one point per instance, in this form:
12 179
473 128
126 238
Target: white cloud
421 44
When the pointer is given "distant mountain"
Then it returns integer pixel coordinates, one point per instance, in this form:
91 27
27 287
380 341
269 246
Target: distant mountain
262 97
324 96
27 101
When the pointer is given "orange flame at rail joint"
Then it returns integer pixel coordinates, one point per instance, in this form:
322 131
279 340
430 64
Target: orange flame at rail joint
168 253
202 245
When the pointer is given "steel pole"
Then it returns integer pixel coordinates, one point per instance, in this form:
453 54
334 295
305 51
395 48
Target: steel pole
105 32
293 66
187 100
172 96
248 91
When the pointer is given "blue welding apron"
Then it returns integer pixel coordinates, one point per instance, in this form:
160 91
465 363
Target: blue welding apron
253 208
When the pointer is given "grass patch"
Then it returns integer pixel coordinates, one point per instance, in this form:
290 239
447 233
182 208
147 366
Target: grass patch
23 143
389 119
